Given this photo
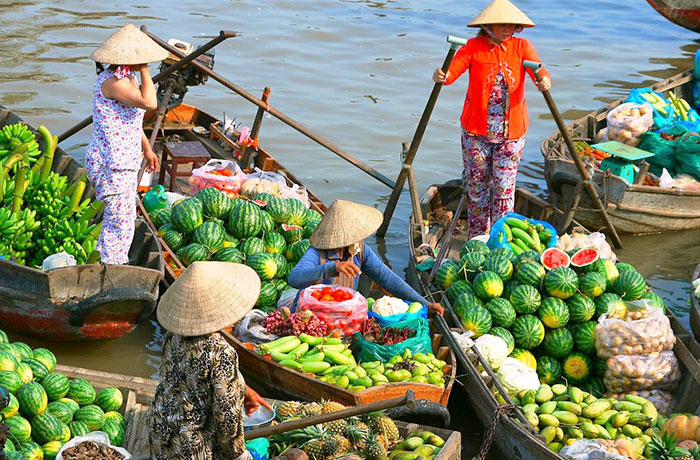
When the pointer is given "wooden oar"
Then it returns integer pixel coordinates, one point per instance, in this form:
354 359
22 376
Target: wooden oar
585 177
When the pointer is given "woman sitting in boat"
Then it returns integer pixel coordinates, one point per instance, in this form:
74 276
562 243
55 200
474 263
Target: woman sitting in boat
198 408
113 158
338 254
494 119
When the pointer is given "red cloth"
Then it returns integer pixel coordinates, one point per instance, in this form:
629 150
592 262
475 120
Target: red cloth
484 62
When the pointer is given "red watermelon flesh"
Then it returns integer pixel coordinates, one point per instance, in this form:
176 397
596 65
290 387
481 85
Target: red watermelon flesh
554 257
287 228
260 203
584 257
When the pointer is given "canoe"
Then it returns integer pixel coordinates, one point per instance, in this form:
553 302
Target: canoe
694 305
685 13
138 396
632 208
514 439
87 302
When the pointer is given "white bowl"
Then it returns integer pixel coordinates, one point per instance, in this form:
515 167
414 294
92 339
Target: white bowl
258 419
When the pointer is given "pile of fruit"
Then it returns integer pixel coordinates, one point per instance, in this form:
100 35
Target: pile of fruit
522 235
374 332
46 408
331 361
328 294
268 233
283 322
565 414
372 437
542 305
40 213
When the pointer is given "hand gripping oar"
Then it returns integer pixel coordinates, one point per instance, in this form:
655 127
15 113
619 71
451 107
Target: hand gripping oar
407 400
587 183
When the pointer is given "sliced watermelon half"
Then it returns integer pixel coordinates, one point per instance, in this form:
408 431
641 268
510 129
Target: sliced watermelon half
260 203
584 257
554 257
287 228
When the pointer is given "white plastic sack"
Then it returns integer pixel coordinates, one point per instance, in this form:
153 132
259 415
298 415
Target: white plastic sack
173 198
587 449
98 437
279 179
287 298
628 121
250 329
666 180
58 260
296 192
464 339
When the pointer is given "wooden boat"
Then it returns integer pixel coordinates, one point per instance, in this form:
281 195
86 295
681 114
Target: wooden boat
685 13
695 305
633 208
138 396
514 439
87 302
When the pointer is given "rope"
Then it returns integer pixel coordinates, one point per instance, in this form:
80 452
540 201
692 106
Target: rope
508 410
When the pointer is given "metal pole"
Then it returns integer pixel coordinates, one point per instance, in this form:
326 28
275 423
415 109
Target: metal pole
282 117
255 130
417 137
447 239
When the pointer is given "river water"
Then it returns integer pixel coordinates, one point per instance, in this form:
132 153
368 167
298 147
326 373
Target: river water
358 73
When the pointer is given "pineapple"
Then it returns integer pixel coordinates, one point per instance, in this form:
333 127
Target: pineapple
338 427
343 444
315 449
331 406
384 441
387 428
289 408
664 448
374 450
357 434
694 453
310 409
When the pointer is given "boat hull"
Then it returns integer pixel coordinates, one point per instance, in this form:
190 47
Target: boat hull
685 13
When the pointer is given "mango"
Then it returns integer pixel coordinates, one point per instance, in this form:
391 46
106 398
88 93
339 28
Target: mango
558 389
595 409
589 430
548 420
620 419
544 394
414 442
575 394
628 406
632 431
602 432
548 407
605 417
566 417
549 432
574 432
529 398
570 407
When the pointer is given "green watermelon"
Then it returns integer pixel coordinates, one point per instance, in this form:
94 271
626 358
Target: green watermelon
109 399
595 386
501 266
466 301
9 447
478 320
193 252
592 284
582 260
39 369
165 228
31 450
278 210
292 233
24 350
608 269
487 285
245 220
11 381
71 403
116 416
91 415
274 243
471 264
284 272
114 431
230 241
502 312
508 288
623 267
525 299
209 235
65 433
474 245
187 215
32 399
503 252
3 337
581 308
313 217
20 428
297 212
252 245
458 288
81 391
12 407
561 282
576 368
8 347
46 427
268 295
229 255
8 362
525 357
51 449
268 224
446 274
159 217
530 273
263 264
558 343
526 257
174 239
548 370
505 335
78 429
61 411
654 300
584 338
606 301
281 263
600 365
309 230
528 331
214 202
630 285
25 372
553 313
298 249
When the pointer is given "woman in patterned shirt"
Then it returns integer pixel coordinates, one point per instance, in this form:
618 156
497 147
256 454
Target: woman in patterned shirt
494 119
198 408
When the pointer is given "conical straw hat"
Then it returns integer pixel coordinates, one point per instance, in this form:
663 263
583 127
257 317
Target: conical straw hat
129 46
345 223
501 12
208 297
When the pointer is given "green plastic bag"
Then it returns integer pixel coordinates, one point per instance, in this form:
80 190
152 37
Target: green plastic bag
664 150
420 343
688 155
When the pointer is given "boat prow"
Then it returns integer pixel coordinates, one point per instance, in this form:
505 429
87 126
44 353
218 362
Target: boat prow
685 13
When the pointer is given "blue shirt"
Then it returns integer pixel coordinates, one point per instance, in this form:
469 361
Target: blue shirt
310 271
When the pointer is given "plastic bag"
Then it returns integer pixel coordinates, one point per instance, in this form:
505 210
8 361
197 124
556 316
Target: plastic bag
666 179
58 260
664 150
229 181
297 192
664 111
346 316
287 299
259 448
250 329
277 178
497 237
688 154
464 339
98 437
172 199
588 449
628 121
366 350
391 320
649 334
663 400
653 371
685 182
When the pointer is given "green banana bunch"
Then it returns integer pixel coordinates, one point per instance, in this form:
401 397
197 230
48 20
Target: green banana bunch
16 134
8 224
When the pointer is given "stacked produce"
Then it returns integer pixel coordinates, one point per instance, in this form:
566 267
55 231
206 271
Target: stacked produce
46 408
40 214
521 235
283 322
268 233
341 308
372 437
374 332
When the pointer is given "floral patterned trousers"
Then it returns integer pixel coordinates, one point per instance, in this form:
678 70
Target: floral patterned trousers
490 170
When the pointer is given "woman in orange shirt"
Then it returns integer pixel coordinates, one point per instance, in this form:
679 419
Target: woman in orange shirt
494 119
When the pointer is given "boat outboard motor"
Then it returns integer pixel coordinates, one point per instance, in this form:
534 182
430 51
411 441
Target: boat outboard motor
175 86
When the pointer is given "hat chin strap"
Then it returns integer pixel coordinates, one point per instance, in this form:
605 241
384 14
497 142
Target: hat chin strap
491 35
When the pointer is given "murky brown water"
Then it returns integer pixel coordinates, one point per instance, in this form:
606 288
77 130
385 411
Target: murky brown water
357 72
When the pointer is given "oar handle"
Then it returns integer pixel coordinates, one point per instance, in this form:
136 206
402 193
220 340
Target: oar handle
534 66
451 39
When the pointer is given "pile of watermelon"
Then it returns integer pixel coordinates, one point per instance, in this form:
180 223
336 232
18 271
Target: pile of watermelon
268 233
46 408
544 306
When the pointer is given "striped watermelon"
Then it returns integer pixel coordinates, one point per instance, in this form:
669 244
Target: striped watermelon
581 308
505 335
478 320
608 269
81 391
11 381
25 372
245 220
600 365
160 217
51 449
528 331
471 264
502 312
297 212
78 429
487 285
65 433
274 243
278 209
251 246
116 416
263 196
458 288
524 357
629 285
268 224
309 230
508 288
214 202
31 450
12 407
20 428
24 350
230 241
501 266
174 239
9 449
46 427
281 263
558 343
595 386
164 228
475 245
263 264
576 368
530 273
548 370
193 252
114 431
268 295
298 249
464 302
526 257
584 338
91 415
8 362
525 299
446 274
109 399
553 313
284 271
32 399
187 215
210 235
61 411
39 369
654 300
503 252
71 403
623 267
292 233
592 284
8 347
229 255
313 217
606 301
561 282
3 337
